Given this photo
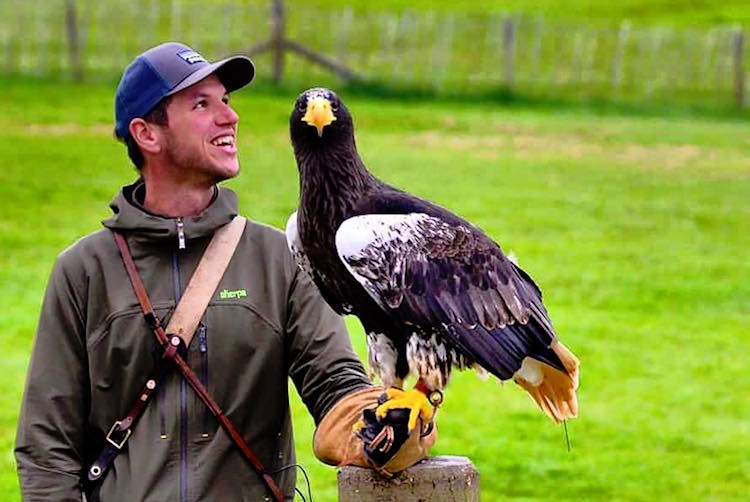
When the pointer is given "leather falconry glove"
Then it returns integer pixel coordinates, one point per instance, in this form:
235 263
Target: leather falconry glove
351 434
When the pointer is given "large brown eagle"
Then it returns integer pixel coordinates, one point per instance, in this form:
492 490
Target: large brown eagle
432 291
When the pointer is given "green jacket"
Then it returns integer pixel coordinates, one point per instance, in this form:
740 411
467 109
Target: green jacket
93 352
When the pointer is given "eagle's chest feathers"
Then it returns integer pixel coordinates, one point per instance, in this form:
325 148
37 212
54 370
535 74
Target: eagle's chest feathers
317 236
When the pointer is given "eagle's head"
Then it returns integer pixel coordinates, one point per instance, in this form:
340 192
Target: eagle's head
320 119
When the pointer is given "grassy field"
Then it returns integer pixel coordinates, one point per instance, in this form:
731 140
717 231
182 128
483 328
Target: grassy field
637 228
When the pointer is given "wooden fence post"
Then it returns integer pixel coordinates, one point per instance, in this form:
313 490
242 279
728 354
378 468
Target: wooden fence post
437 479
175 19
442 51
343 34
277 43
226 23
617 63
71 26
10 52
536 47
277 40
509 50
738 45
650 78
720 69
590 47
409 28
576 63
708 51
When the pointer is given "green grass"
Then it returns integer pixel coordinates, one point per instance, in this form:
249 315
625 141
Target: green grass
637 228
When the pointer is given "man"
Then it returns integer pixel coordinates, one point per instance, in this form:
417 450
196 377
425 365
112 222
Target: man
266 322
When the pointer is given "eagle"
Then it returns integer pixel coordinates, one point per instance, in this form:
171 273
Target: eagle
432 291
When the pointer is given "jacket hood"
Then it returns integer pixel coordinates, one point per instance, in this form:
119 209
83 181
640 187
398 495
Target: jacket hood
131 218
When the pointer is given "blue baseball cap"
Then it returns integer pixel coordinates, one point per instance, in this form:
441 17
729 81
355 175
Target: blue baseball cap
166 69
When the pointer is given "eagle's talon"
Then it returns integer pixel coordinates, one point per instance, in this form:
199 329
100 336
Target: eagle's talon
358 426
413 400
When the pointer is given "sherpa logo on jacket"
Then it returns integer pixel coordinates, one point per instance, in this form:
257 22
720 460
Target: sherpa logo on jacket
237 293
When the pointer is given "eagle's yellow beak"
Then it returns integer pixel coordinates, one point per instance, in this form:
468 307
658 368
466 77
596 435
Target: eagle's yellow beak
319 113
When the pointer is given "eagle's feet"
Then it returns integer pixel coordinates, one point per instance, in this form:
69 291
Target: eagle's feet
413 400
358 426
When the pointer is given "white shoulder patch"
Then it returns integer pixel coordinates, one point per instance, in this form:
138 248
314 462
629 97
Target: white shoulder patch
375 247
357 234
295 245
292 237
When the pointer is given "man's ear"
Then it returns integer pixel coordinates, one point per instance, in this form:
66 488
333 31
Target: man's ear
148 136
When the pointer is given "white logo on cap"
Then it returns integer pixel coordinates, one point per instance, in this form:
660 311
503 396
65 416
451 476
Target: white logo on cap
191 57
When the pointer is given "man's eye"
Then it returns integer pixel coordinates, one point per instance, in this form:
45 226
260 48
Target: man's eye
200 104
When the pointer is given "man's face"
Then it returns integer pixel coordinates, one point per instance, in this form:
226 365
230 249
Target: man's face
200 137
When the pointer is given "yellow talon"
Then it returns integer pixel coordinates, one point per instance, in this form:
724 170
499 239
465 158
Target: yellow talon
413 399
358 426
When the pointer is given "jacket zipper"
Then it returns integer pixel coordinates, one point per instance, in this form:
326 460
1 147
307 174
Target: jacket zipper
203 347
177 293
180 234
183 384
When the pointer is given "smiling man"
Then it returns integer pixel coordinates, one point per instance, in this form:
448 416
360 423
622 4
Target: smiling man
94 352
194 150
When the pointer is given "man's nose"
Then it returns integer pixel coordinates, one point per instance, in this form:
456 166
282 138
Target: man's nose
227 115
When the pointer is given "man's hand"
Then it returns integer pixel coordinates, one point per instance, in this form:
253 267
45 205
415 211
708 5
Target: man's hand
384 438
351 434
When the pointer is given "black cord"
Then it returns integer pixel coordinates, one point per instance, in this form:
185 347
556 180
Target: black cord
299 492
307 480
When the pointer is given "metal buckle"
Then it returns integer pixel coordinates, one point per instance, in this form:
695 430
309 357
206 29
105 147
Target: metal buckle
435 398
114 443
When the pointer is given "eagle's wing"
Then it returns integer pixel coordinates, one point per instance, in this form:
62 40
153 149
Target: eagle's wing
426 271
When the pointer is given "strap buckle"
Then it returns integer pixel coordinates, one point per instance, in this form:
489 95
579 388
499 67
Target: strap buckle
115 443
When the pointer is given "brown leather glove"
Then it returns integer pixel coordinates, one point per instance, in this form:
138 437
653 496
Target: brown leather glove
337 443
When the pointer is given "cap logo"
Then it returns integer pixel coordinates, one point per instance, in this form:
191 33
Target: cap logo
191 57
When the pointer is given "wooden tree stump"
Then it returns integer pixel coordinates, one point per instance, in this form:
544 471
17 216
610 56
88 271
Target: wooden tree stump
436 479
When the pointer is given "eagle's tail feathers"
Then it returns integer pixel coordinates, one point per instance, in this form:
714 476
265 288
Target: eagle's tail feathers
569 360
552 390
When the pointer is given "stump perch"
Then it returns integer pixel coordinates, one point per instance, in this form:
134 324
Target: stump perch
435 479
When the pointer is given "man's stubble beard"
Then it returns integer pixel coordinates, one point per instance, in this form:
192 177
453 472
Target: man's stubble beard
190 160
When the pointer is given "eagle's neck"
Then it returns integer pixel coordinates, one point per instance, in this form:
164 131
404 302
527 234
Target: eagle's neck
332 182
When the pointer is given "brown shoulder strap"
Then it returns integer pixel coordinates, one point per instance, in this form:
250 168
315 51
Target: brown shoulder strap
190 377
186 317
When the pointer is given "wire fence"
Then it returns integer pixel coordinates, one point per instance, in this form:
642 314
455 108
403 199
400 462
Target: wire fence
441 53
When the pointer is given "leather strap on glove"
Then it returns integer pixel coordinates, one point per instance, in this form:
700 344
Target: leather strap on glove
384 445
